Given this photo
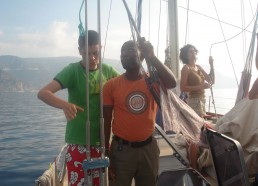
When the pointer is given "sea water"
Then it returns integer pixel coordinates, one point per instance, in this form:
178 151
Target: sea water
220 101
32 134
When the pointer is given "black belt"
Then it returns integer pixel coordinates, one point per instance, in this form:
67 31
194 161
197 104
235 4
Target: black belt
133 144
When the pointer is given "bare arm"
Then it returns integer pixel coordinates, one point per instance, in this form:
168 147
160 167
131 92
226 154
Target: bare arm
211 76
47 95
165 74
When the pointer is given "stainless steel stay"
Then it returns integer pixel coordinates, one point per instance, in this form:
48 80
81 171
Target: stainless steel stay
103 162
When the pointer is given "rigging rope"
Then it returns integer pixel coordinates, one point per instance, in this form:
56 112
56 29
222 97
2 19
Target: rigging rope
159 28
213 18
88 176
225 42
178 116
213 101
151 69
139 15
104 48
132 25
81 29
243 25
182 95
167 30
187 25
246 74
139 18
245 29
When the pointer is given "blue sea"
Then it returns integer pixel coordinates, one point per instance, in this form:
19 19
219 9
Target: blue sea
32 134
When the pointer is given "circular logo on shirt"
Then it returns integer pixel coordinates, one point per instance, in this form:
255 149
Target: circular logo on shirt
136 102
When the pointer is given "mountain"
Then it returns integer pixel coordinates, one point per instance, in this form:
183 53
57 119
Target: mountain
30 74
221 81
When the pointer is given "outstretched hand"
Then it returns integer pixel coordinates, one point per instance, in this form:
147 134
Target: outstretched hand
79 108
70 110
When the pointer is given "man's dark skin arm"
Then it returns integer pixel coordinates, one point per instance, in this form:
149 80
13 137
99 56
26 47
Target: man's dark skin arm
107 114
165 74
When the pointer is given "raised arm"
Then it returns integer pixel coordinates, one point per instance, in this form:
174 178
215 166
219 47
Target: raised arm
211 76
165 74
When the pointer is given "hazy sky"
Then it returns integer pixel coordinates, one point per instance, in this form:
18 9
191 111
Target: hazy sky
33 28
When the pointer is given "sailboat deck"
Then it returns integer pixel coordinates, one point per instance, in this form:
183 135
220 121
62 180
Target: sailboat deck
168 161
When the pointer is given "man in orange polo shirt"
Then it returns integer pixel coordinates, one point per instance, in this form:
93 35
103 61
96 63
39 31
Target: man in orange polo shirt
130 108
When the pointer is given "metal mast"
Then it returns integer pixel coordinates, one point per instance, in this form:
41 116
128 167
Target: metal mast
173 37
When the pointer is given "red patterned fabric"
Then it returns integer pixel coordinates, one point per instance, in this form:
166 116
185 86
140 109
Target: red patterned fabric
74 159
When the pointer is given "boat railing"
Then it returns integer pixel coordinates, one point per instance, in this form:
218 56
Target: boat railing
221 104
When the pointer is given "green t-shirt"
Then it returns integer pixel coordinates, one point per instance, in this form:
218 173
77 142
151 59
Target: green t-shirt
73 77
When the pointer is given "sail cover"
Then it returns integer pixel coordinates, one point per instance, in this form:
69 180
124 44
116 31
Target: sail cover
178 117
240 123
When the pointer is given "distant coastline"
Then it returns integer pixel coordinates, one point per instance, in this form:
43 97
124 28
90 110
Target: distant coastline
29 74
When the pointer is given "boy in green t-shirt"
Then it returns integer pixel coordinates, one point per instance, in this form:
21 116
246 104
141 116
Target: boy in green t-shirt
73 77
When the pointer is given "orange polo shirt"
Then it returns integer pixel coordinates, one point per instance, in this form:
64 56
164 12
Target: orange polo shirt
134 108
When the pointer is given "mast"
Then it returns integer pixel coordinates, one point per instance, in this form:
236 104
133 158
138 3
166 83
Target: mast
173 37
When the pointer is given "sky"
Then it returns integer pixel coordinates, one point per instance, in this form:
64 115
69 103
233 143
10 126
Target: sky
33 28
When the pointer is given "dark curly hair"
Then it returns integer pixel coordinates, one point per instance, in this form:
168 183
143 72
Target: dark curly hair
184 53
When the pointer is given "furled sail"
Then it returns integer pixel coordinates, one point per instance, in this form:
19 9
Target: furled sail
247 72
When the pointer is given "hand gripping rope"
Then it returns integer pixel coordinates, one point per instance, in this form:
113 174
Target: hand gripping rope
149 82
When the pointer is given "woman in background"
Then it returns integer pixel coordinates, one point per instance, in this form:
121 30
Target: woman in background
194 80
